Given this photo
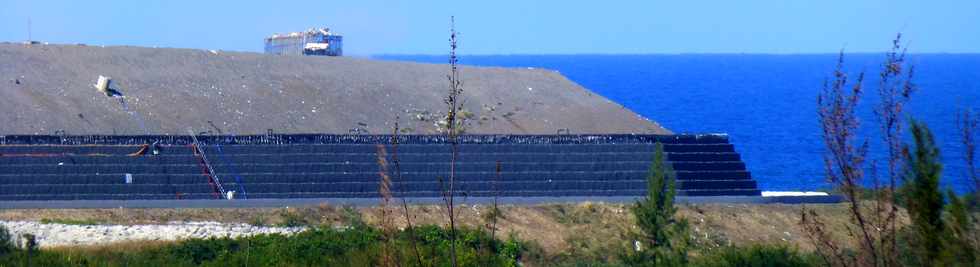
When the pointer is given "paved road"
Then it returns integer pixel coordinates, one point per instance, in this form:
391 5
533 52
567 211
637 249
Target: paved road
298 202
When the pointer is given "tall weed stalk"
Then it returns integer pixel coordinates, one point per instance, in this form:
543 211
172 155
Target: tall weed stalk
404 198
388 252
895 89
844 162
453 106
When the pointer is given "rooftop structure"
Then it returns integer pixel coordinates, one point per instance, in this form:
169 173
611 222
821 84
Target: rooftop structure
312 42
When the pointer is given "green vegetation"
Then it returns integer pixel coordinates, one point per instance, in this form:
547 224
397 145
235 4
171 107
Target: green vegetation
942 231
69 221
357 246
6 241
663 241
942 228
362 246
757 255
292 219
661 238
960 242
924 200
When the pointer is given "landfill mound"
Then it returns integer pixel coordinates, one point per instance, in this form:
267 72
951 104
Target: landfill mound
49 89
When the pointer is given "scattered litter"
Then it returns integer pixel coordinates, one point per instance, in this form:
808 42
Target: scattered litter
103 85
792 193
530 89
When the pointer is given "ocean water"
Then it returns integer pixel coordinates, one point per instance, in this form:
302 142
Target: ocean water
766 103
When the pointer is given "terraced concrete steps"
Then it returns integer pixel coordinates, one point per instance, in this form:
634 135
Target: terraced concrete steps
37 150
365 157
356 167
552 166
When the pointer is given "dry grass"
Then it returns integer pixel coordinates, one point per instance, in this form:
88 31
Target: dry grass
741 224
321 214
571 229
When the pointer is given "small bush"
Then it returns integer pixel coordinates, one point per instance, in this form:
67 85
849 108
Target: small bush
664 239
492 214
359 245
353 218
924 199
769 256
6 241
292 219
69 221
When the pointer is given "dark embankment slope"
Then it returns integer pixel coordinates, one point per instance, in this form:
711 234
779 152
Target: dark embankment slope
47 88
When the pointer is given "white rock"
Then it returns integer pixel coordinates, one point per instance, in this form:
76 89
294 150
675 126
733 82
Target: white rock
62 235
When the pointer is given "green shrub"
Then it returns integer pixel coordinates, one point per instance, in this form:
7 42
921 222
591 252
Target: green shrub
923 198
69 221
960 246
756 256
258 220
664 239
6 240
198 251
359 245
353 217
292 219
655 213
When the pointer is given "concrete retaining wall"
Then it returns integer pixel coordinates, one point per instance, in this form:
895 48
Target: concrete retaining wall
342 166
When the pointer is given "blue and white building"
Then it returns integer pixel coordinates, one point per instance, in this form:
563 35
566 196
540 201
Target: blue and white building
313 42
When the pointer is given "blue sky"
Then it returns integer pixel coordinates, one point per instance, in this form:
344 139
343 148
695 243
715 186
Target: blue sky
511 26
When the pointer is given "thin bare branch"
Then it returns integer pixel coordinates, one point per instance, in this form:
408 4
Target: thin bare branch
388 251
404 198
452 131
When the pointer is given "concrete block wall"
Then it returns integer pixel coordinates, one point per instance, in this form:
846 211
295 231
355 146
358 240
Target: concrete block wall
346 166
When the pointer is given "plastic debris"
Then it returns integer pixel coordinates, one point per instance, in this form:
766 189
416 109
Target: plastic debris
104 86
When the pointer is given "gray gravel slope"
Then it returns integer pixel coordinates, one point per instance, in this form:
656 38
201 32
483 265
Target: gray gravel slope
46 88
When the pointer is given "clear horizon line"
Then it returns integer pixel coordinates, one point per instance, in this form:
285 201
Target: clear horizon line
670 54
373 55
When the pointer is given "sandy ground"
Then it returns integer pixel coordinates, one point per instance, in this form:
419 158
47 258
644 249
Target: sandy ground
47 88
588 227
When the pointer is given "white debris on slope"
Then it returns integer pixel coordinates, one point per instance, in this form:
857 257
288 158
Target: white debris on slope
54 235
792 193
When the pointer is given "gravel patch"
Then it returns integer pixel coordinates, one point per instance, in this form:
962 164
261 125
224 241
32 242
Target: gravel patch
56 235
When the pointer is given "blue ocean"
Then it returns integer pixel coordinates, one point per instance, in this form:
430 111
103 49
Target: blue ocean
766 103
